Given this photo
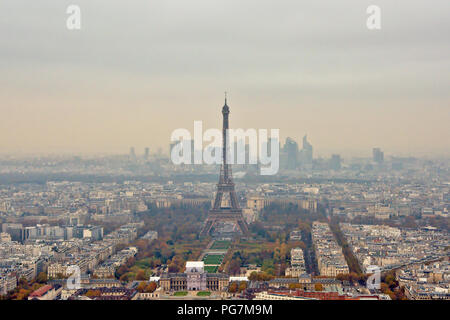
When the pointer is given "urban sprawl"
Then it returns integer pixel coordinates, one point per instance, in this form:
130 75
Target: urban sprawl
128 228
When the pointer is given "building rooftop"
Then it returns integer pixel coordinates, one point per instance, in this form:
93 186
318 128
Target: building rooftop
195 264
41 291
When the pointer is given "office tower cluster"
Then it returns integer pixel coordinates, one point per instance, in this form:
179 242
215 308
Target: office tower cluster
133 157
293 158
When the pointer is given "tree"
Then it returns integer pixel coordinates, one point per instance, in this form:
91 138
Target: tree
234 266
23 294
93 293
260 276
389 279
23 283
140 275
284 250
121 271
173 267
130 262
385 289
151 287
36 286
400 294
295 286
242 286
318 287
141 287
233 287
42 277
253 276
268 266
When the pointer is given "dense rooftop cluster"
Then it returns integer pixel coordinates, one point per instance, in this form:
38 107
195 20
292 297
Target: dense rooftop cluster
390 247
330 259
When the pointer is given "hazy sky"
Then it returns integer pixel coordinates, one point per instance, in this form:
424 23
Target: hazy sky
139 69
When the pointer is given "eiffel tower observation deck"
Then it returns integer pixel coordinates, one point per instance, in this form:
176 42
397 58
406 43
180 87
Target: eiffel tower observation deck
232 212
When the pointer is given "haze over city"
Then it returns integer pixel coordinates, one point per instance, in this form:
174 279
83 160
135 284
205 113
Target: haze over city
134 73
224 158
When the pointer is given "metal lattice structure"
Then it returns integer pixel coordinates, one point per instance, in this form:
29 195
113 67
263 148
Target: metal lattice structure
231 213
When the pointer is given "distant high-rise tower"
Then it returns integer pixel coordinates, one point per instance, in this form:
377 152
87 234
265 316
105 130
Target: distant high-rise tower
307 148
271 141
132 154
335 162
306 154
291 151
232 212
171 146
147 153
378 155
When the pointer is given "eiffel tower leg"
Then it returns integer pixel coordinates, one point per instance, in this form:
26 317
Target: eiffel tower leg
243 227
233 200
218 200
207 227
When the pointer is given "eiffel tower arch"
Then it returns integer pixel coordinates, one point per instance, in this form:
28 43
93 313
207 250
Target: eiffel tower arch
232 212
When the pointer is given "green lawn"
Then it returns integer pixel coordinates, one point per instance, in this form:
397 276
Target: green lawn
213 259
221 245
143 263
180 293
211 269
203 293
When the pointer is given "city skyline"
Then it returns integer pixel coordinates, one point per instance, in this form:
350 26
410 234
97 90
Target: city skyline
141 152
160 66
218 157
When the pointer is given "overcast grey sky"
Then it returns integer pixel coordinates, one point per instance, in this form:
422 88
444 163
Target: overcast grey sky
139 69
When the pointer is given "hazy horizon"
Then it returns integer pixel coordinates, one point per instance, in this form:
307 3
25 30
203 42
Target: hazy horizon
138 70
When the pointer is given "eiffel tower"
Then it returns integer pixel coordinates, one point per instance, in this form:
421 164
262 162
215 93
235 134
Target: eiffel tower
232 212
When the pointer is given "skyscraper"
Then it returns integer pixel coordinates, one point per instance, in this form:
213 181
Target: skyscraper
291 151
306 154
335 162
132 154
271 141
378 155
